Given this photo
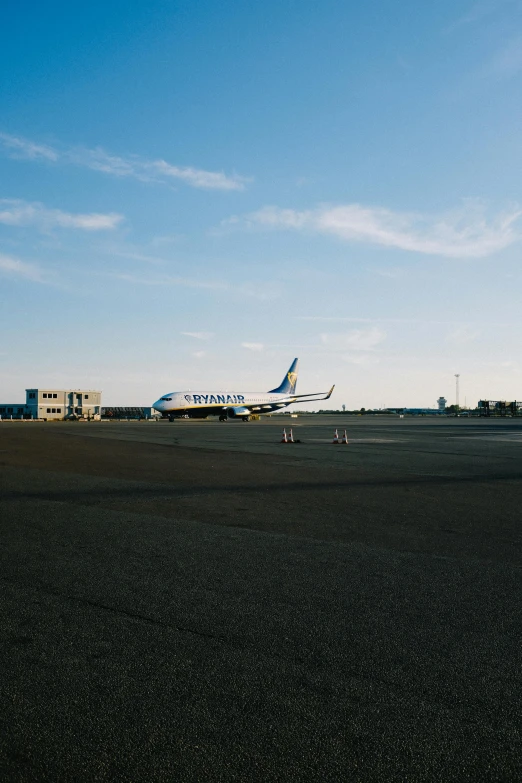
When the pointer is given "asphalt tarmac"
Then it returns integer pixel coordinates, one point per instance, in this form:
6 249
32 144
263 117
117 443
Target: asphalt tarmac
196 601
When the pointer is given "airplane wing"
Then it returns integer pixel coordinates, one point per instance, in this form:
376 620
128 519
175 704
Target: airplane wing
312 397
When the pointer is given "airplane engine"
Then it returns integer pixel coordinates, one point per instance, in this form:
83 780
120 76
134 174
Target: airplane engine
238 412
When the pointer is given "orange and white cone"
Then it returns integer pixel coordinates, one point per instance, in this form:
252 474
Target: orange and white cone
284 438
336 440
345 438
291 437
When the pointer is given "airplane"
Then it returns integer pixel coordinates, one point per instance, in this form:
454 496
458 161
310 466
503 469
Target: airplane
234 405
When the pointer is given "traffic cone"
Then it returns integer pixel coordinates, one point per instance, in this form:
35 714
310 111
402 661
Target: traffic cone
291 437
345 438
336 440
285 438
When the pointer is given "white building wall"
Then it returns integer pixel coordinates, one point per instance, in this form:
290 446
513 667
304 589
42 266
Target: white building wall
63 403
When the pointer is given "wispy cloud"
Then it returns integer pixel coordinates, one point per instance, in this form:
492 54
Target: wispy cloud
199 354
479 11
463 335
132 166
467 232
166 239
253 346
355 340
254 290
14 212
23 148
506 63
132 255
13 267
420 321
199 335
167 280
362 359
392 272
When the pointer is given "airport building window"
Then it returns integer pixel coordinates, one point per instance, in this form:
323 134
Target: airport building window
32 395
44 395
2 410
9 410
55 396
58 410
86 396
48 410
20 410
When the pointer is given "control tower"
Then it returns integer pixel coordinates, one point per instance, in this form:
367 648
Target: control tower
441 403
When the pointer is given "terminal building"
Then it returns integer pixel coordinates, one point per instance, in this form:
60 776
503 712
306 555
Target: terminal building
440 409
55 404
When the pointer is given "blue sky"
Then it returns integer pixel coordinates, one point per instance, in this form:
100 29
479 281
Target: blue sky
191 194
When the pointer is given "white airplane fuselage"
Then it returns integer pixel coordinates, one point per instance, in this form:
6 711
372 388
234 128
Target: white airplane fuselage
235 404
199 404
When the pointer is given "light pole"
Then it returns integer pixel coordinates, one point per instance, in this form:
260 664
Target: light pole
457 376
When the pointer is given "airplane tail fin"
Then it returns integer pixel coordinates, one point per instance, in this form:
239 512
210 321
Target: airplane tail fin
289 382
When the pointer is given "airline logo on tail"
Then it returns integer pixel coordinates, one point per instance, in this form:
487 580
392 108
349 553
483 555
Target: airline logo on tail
292 380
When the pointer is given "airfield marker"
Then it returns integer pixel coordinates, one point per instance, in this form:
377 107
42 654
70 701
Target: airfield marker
289 437
336 441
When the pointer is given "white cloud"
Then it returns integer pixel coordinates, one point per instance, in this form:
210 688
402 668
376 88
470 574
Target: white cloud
467 232
114 251
355 340
420 321
164 280
132 166
198 178
506 63
199 335
463 335
99 160
253 346
363 360
14 212
166 239
199 354
264 291
392 272
23 148
477 12
13 267
260 291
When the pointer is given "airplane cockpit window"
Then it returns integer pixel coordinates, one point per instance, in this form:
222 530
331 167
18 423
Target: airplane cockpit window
166 399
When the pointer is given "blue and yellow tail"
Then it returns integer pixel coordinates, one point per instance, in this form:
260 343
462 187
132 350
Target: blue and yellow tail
289 381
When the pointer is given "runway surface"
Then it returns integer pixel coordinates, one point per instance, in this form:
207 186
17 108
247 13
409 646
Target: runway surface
196 601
